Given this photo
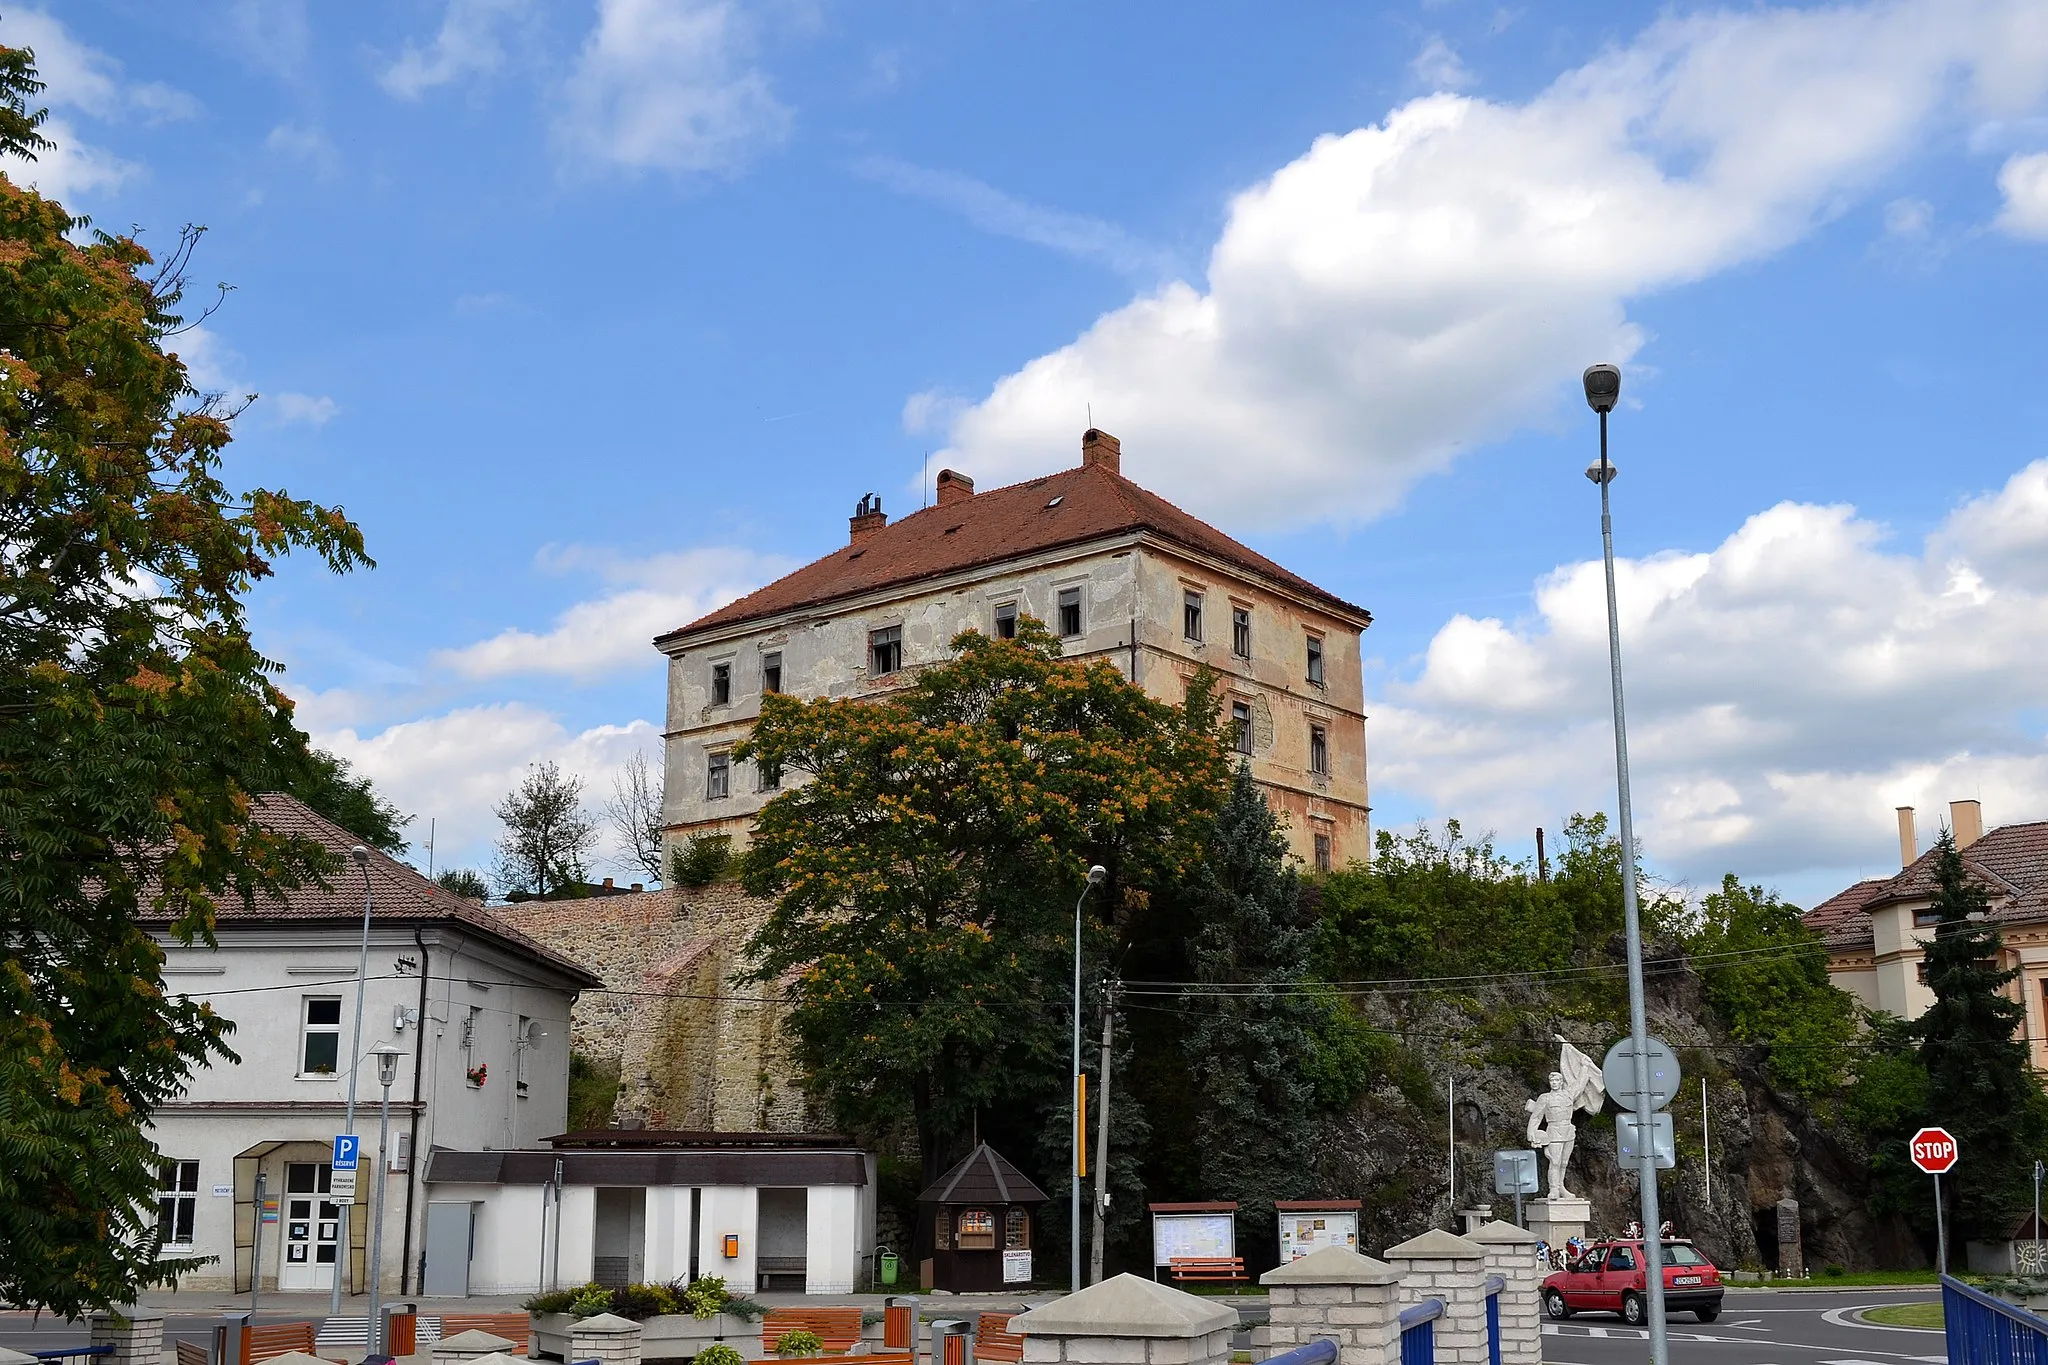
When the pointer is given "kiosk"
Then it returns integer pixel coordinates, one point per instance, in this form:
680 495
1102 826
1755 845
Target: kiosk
979 1218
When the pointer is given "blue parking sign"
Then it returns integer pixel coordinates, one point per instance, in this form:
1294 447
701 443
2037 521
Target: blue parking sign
346 1145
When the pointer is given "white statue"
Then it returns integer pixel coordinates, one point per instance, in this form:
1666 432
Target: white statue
1576 1084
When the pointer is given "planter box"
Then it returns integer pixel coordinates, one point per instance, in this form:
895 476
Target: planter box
670 1337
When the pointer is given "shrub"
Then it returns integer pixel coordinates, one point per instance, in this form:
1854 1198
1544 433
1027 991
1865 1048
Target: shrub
706 1296
700 861
718 1353
591 1300
799 1343
642 1301
554 1301
1833 1271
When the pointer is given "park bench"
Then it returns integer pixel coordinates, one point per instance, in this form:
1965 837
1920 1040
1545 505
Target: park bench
993 1339
837 1328
270 1339
877 1358
191 1352
1208 1269
514 1327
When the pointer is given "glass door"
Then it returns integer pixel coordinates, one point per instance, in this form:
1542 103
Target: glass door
312 1227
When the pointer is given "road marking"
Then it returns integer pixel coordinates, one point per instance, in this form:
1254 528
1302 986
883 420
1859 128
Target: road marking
1748 1322
1841 1317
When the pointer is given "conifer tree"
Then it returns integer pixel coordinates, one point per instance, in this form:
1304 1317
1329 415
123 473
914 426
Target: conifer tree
1979 1084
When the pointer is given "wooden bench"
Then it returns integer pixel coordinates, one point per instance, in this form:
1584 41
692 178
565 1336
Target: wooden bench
514 1327
1208 1269
275 1339
878 1358
993 1339
191 1353
837 1328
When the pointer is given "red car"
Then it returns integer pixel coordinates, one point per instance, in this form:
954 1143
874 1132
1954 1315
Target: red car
1609 1277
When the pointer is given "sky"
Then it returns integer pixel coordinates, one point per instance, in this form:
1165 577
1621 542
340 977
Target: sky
598 313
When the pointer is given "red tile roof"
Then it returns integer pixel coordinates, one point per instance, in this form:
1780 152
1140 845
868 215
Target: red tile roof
398 892
1072 507
1839 918
2010 863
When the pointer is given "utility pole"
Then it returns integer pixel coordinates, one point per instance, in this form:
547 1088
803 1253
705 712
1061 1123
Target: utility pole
1102 1137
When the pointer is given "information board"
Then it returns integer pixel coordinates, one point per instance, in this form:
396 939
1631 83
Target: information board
1303 1232
1192 1234
1017 1267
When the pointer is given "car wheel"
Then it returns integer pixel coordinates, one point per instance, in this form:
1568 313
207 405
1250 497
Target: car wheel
1632 1309
1554 1304
1706 1314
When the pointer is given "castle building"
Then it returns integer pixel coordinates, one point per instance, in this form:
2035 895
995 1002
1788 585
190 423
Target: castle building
1117 572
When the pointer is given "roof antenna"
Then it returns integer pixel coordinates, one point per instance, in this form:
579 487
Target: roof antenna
1091 416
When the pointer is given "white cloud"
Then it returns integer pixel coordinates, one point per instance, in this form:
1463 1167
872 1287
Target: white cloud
1439 67
989 209
667 85
1908 218
315 409
467 44
210 363
455 767
1406 291
615 632
309 145
1785 689
2023 180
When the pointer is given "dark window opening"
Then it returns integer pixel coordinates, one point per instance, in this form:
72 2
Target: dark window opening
767 777
1315 661
721 684
885 650
771 672
1191 616
718 777
1318 751
1006 621
1070 613
1322 853
1241 726
320 1044
1241 632
178 1203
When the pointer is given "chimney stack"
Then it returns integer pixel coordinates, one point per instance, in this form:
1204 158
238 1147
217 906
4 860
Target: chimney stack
1101 448
954 487
1966 818
867 518
1909 841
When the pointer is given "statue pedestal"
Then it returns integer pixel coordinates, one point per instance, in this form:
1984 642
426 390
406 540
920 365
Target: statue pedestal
1557 1221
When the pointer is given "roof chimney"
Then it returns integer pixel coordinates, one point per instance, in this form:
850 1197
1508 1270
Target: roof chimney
1101 448
954 487
867 518
1909 842
1966 818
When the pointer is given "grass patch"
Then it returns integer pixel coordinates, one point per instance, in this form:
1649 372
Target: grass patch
1862 1279
1906 1315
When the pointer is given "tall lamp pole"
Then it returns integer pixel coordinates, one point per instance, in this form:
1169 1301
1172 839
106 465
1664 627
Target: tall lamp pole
1095 876
387 1072
361 856
1603 390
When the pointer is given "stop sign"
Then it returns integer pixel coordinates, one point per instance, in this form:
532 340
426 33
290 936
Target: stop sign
1933 1150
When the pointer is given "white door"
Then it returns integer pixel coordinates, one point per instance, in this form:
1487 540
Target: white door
312 1227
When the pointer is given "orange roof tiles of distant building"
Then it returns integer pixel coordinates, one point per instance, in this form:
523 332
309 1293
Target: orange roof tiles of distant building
1085 503
2010 863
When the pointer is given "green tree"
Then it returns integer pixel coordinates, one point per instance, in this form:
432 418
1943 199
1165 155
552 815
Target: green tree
1766 973
1979 1084
330 786
925 875
465 882
546 836
136 721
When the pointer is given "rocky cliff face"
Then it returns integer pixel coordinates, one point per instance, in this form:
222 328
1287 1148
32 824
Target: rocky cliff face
1393 1147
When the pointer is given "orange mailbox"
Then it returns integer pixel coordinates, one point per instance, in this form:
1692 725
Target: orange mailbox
732 1246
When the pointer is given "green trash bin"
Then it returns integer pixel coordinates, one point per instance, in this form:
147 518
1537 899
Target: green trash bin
887 1260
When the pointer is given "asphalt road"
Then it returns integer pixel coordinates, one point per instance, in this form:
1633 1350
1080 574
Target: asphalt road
1758 1327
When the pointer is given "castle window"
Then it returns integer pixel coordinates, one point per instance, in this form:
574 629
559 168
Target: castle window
1315 661
1318 751
1070 613
885 650
1006 621
771 672
1191 616
1322 853
1241 726
1241 632
721 684
718 777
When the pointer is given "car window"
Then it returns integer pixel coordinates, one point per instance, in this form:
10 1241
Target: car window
1620 1259
1679 1253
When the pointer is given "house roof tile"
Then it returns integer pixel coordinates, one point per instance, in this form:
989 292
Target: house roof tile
2010 863
1072 507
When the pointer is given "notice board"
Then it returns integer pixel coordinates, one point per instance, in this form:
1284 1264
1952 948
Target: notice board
1192 1234
1303 1231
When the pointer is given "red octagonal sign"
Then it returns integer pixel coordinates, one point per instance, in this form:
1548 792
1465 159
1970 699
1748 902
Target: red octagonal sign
1933 1150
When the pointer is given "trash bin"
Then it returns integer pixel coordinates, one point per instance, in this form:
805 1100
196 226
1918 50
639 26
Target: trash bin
887 1260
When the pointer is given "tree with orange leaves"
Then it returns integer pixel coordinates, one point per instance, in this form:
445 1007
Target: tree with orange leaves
136 721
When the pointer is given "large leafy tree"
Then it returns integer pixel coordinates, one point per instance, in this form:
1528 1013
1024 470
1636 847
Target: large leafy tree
926 871
330 786
1766 973
136 721
547 835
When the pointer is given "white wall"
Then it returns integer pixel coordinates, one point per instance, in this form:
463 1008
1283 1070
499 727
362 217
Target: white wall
667 1254
729 1208
576 1257
832 1239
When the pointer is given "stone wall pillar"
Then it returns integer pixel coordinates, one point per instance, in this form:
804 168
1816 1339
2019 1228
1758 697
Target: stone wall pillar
1336 1293
137 1336
1127 1321
1511 1254
1443 1265
1791 1252
607 1338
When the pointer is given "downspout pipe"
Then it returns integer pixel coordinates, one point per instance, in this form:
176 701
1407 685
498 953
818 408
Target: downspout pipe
412 1143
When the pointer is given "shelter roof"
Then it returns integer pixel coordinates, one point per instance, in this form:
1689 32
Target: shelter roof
984 1176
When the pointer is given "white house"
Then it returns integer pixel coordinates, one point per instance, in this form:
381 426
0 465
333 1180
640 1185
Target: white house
478 1011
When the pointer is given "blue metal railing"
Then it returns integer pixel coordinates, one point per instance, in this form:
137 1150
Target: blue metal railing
73 1352
1987 1331
1322 1352
1494 1285
1418 1332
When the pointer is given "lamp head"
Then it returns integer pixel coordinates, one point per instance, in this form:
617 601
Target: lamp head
1096 874
1603 387
387 1063
361 855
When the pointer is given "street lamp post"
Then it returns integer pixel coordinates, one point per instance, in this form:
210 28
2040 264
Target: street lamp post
361 856
1095 876
1603 390
387 1071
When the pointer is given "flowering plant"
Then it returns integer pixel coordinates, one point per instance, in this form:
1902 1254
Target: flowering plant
479 1073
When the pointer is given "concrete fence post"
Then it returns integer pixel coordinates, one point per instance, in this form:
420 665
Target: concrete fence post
1511 1254
1340 1294
1126 1320
1443 1265
136 1334
607 1338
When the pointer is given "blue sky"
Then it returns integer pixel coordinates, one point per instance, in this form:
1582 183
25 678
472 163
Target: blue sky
597 313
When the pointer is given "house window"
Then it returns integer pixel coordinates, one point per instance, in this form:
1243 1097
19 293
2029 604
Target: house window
976 1230
519 1055
721 684
1241 726
1322 853
771 672
320 1036
1070 613
1241 632
1006 621
718 777
1191 616
1925 917
1315 661
885 650
1318 751
1016 1230
177 1202
767 777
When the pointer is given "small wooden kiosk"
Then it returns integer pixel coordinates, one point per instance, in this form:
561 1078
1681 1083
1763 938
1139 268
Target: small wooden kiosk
979 1218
